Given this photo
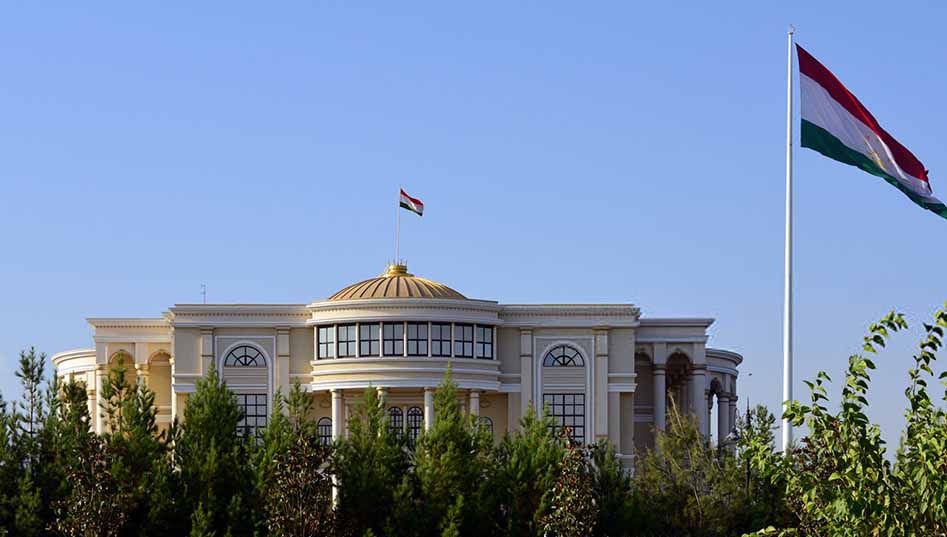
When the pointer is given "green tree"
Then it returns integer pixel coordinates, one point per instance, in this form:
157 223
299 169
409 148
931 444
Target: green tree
612 487
685 487
96 505
451 464
526 465
573 509
137 451
214 461
298 490
369 465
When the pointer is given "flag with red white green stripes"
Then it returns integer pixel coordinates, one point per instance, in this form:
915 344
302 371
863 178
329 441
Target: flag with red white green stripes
412 204
838 125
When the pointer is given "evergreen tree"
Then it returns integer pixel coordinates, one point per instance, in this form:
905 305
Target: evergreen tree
573 510
611 485
526 466
369 465
97 504
137 451
452 462
298 491
214 462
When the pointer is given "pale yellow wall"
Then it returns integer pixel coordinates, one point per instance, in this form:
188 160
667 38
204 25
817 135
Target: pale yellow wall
494 406
187 352
621 350
508 349
301 342
159 380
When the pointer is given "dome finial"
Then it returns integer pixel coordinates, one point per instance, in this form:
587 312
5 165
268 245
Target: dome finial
396 269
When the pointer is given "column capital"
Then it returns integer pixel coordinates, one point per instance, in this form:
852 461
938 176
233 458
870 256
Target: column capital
662 368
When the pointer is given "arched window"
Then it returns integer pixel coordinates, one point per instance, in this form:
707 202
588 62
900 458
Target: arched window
486 424
245 356
324 430
415 422
563 356
395 422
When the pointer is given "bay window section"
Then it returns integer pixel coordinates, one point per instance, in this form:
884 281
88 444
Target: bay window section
346 337
368 340
417 339
393 339
440 339
326 342
463 340
485 342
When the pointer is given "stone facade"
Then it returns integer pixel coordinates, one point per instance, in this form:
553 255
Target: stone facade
601 369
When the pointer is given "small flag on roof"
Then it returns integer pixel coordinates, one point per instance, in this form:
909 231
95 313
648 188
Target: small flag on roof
412 204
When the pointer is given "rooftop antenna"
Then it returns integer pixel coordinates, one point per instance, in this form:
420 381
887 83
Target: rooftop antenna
204 293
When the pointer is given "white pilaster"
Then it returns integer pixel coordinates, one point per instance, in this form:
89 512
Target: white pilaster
428 408
698 405
142 372
723 417
207 349
660 396
526 370
101 373
474 403
600 385
281 367
338 418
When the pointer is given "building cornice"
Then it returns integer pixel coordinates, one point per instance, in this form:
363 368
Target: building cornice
570 315
73 354
722 354
678 322
238 315
128 322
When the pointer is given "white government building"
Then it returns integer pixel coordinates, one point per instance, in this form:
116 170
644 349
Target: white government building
602 369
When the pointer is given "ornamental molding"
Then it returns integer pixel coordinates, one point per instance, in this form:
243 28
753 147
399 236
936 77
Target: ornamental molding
677 322
74 354
238 315
128 322
722 354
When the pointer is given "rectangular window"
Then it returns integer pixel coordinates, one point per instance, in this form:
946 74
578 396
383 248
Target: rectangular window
253 406
485 342
393 339
326 342
463 340
568 410
440 339
417 339
346 337
368 342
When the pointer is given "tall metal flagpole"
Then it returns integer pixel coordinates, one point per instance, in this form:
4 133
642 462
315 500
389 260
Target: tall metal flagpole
787 287
398 229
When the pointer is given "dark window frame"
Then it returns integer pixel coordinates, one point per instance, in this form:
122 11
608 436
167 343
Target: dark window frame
395 419
370 346
440 342
326 341
417 341
250 405
414 418
324 430
461 342
567 410
245 356
393 342
563 356
351 345
484 348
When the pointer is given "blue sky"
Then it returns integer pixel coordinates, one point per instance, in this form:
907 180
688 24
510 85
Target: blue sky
615 153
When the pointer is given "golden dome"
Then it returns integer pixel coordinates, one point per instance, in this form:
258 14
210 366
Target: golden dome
396 282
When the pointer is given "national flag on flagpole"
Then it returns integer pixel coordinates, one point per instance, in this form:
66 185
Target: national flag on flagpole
412 204
836 124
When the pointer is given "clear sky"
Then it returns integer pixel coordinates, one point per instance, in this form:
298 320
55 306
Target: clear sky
615 152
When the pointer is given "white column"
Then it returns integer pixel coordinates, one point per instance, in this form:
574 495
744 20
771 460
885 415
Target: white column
337 417
382 395
101 373
526 370
660 397
142 372
697 398
91 403
600 385
281 367
428 408
723 417
474 403
733 411
207 349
